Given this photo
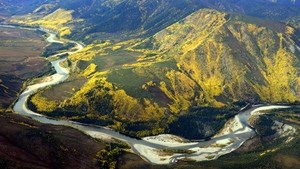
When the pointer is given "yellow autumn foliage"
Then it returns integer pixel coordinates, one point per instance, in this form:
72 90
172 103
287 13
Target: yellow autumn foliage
181 91
90 70
131 109
280 73
125 106
219 61
42 104
153 110
90 51
57 21
80 96
290 30
117 47
208 75
188 34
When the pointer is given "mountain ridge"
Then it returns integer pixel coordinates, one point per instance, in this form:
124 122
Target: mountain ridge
144 18
150 67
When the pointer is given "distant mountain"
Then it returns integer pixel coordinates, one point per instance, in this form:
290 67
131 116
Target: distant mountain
142 17
16 7
294 2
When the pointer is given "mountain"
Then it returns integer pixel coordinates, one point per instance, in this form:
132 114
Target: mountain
149 63
208 59
94 19
150 67
14 7
289 2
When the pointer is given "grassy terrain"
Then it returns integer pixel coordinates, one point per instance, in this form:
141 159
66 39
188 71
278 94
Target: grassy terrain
20 60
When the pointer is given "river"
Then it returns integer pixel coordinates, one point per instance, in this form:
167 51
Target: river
234 134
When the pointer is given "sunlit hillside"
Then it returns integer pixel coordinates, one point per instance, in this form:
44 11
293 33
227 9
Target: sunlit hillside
207 59
154 84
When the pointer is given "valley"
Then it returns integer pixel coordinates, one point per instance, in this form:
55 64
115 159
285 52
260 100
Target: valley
156 84
149 86
230 138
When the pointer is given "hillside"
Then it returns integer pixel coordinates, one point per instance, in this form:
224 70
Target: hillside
20 60
97 19
209 59
26 143
234 56
191 70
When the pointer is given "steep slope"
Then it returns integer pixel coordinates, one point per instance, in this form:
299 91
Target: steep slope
236 58
207 59
103 15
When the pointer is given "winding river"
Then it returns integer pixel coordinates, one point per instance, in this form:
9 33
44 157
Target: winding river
233 135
